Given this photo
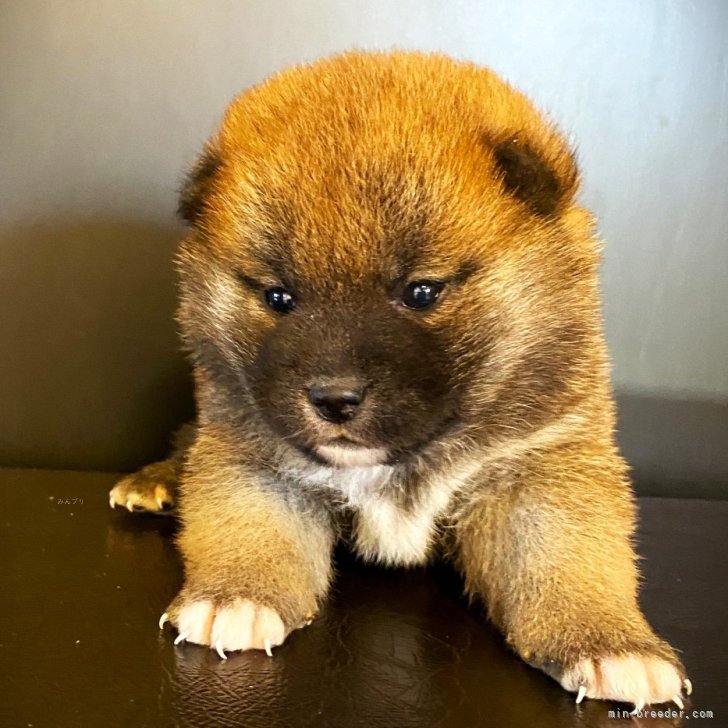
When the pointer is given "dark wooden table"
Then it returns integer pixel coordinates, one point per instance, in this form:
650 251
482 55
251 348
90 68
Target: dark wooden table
82 588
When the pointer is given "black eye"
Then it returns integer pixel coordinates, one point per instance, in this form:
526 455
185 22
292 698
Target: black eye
280 300
421 294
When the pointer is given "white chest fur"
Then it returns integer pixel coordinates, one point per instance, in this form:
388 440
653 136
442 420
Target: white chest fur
385 529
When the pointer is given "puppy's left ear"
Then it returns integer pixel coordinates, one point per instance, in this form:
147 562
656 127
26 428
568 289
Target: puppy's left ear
546 183
198 185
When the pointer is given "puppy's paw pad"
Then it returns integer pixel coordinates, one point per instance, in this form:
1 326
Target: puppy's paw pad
632 678
135 494
239 625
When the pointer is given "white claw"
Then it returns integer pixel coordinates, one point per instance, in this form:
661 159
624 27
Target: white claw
678 701
268 650
163 619
181 637
112 502
220 651
159 503
688 686
580 695
638 707
129 507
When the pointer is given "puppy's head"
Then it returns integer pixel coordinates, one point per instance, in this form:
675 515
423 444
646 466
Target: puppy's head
385 253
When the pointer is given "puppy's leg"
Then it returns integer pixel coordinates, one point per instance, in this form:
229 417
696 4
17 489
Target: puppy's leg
549 550
154 487
257 561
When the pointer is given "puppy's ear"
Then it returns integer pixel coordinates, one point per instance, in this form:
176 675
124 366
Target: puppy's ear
546 185
197 186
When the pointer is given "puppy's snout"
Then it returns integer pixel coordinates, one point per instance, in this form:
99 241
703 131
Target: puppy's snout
336 402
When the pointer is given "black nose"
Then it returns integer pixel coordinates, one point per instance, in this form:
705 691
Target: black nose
336 402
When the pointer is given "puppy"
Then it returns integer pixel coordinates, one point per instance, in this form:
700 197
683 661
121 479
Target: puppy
389 296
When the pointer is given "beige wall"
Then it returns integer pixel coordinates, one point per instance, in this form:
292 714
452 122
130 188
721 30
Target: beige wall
103 104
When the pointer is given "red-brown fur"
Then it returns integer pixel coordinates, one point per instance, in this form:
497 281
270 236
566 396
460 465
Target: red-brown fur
348 178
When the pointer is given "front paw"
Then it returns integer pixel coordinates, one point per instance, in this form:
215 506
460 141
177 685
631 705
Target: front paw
227 625
150 489
636 678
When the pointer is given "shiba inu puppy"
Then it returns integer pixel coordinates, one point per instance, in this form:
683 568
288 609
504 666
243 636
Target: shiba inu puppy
389 296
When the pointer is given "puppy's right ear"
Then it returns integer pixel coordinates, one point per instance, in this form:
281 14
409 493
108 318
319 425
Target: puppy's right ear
197 186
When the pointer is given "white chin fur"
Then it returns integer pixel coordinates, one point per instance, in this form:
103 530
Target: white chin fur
343 456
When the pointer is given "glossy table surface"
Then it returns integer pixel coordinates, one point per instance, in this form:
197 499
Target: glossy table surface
83 586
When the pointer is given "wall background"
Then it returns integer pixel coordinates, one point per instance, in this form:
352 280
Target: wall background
104 104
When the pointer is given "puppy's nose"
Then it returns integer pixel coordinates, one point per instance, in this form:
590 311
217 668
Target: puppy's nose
336 402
